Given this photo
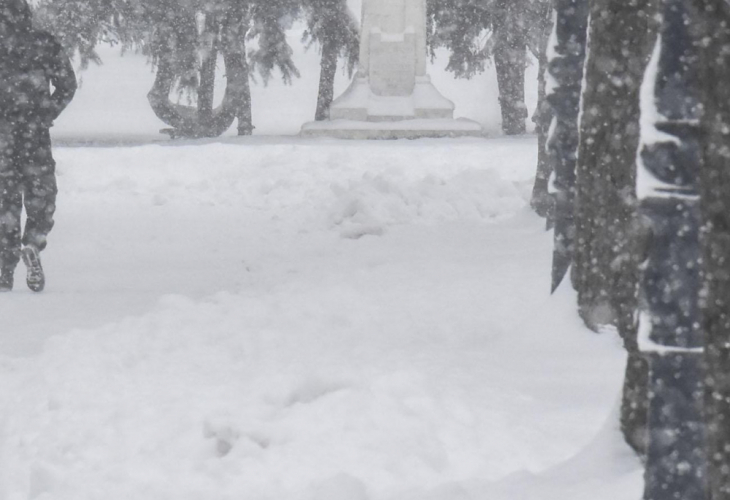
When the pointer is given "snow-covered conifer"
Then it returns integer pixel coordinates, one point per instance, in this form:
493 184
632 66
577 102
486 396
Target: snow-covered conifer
477 31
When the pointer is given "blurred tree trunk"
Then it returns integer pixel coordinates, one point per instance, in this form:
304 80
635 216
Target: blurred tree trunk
622 36
566 63
510 51
672 284
605 273
245 116
541 200
202 120
206 90
712 18
328 68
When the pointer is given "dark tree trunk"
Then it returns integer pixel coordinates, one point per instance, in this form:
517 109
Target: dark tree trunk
712 17
328 68
206 89
635 396
622 36
245 116
541 200
203 120
566 68
671 283
510 52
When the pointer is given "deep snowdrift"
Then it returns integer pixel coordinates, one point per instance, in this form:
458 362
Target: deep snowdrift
315 320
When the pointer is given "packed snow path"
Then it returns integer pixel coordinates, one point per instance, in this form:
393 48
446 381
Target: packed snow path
287 319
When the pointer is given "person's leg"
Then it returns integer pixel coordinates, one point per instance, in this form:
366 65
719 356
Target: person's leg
10 206
40 190
38 171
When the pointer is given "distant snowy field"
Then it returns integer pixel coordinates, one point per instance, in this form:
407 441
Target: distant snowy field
273 318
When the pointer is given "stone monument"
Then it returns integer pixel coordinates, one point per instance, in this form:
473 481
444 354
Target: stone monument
392 95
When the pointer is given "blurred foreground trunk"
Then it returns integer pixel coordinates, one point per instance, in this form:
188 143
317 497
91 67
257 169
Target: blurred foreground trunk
622 36
541 201
671 333
712 21
566 69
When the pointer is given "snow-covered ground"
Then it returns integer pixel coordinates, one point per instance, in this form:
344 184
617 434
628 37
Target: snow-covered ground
273 318
317 320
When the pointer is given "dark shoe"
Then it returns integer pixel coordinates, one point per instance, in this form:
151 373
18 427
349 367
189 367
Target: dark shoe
35 278
6 280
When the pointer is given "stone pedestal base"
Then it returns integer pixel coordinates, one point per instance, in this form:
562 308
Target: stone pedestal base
360 103
403 129
361 114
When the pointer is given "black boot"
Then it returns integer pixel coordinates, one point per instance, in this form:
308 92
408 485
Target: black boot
35 278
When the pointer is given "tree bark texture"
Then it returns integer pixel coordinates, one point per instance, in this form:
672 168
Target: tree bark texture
187 121
541 201
566 69
245 115
622 35
712 17
621 38
671 283
328 69
206 89
510 52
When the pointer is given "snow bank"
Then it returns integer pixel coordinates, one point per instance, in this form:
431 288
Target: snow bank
369 204
604 469
313 391
273 397
333 183
289 359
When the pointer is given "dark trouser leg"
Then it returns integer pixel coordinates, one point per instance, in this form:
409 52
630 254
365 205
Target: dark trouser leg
11 203
39 185
10 200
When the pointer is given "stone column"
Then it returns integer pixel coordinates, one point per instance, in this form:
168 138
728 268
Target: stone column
391 18
392 84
